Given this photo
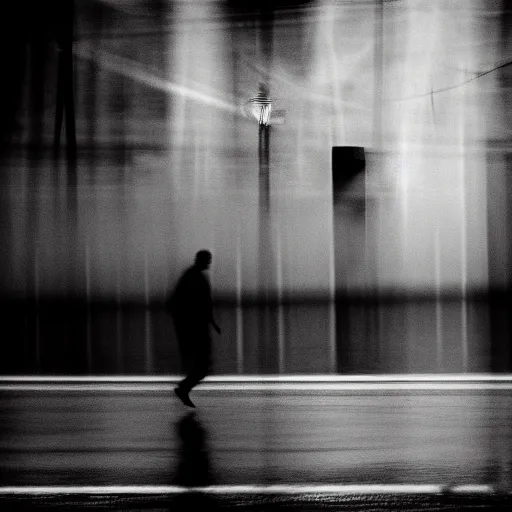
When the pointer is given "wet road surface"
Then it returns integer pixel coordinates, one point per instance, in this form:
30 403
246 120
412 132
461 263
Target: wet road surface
444 439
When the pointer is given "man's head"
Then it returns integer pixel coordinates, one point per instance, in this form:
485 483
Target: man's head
203 259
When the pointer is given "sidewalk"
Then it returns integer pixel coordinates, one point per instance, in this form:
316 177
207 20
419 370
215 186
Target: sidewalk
269 502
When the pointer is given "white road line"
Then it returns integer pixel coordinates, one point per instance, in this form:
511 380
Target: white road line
251 489
477 377
425 382
206 387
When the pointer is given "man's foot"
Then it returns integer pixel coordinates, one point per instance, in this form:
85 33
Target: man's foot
183 396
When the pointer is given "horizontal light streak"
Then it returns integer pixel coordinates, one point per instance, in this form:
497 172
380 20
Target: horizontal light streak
263 388
251 489
134 70
240 383
332 383
289 378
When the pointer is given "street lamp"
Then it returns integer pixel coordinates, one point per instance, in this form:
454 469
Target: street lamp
260 109
261 106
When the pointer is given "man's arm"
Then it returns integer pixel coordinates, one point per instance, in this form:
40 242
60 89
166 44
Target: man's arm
212 318
210 308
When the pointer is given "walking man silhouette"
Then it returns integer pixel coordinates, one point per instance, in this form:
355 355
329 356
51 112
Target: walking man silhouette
191 307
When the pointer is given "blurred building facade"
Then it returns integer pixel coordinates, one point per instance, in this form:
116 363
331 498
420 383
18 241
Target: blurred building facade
414 83
167 158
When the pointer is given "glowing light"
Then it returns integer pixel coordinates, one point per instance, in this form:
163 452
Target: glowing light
261 106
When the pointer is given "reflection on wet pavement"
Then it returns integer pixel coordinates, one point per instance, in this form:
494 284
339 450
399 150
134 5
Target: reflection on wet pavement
265 437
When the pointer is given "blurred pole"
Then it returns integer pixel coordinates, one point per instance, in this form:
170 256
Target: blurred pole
88 338
37 315
268 321
439 306
280 312
119 340
148 341
119 318
267 325
239 312
264 166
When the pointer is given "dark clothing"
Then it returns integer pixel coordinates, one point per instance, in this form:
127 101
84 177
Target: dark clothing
195 350
191 307
191 300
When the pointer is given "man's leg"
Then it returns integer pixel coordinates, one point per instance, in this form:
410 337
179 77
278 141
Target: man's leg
199 370
197 373
186 343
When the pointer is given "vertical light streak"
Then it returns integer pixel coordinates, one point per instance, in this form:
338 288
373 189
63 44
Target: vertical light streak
147 316
371 259
146 276
280 312
239 312
378 73
439 309
207 155
464 329
337 126
119 340
38 326
404 195
197 183
118 282
178 116
299 160
463 236
463 139
20 233
368 246
332 288
148 341
38 228
88 306
332 337
414 131
405 159
436 23
327 70
119 323
87 274
322 76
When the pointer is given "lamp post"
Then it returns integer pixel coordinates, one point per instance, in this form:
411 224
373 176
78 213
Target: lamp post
260 109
